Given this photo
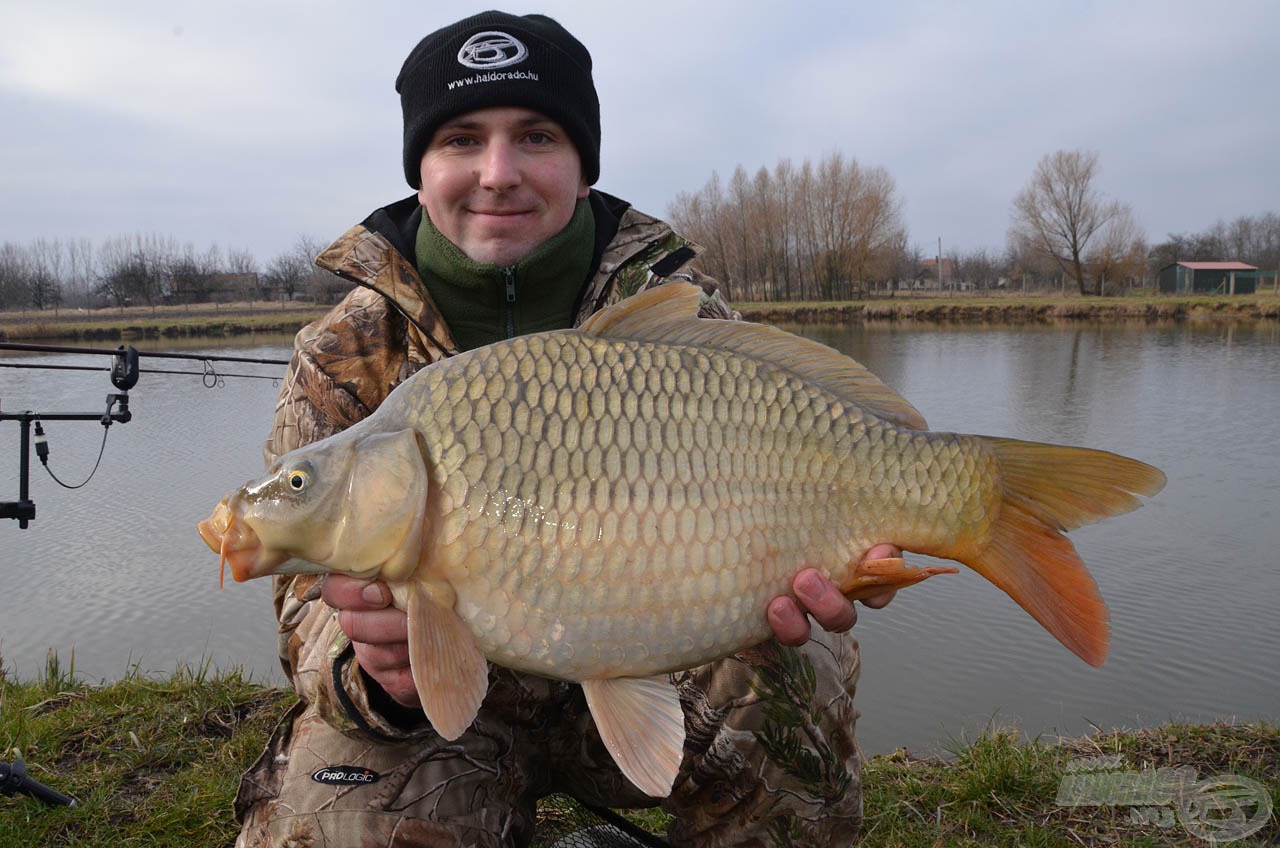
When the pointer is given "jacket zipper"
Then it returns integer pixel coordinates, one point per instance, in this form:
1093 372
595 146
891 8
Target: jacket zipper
509 276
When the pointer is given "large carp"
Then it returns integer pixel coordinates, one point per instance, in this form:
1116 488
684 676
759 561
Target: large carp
611 503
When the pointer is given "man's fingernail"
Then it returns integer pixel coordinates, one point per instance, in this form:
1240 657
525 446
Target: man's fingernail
809 585
372 594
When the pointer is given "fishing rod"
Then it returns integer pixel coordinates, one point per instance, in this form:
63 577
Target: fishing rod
209 375
125 371
110 351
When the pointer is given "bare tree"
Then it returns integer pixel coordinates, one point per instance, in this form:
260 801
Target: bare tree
1118 256
784 182
980 268
321 285
823 232
807 237
81 271
907 259
290 272
856 222
137 268
44 285
1060 210
14 273
1254 239
699 216
241 262
43 289
193 276
878 228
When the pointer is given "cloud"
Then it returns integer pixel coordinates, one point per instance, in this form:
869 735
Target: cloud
248 123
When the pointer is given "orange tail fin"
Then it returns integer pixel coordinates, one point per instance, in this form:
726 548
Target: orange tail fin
1048 489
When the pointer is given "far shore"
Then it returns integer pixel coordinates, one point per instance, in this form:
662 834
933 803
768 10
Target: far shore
239 319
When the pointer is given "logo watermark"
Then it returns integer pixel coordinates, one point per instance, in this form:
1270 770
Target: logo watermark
1217 809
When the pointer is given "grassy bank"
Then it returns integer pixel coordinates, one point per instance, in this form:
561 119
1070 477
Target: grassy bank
166 322
267 317
1016 308
155 762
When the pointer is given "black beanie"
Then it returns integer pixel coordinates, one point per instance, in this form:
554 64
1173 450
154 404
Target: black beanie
497 59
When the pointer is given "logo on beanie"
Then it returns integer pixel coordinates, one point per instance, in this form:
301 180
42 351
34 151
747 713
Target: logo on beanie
486 50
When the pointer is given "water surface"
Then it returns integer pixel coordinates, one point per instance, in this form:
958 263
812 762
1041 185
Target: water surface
116 572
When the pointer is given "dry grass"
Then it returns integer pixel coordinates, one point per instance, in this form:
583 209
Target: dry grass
1016 308
155 762
204 320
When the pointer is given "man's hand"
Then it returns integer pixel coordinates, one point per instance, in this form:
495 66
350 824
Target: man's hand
378 631
821 599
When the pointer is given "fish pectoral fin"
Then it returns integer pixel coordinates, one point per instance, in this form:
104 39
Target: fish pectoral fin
449 670
642 725
873 576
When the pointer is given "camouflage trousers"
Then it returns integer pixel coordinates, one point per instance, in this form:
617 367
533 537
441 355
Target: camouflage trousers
770 760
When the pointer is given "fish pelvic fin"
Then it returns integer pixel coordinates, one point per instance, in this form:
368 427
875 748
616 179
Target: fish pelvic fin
669 314
642 724
873 576
449 670
1049 489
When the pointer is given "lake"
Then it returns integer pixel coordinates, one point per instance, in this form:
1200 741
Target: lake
116 573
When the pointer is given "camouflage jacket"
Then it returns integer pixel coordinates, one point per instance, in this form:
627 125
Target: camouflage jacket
344 365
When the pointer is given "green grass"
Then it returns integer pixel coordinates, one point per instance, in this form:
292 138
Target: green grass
1000 790
154 761
150 761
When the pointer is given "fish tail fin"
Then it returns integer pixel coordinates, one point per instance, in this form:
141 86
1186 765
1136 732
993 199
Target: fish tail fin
1047 490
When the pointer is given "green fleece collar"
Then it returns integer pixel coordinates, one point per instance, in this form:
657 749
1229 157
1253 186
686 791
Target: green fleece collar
483 303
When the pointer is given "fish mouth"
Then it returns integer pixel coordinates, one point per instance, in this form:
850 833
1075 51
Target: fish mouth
236 543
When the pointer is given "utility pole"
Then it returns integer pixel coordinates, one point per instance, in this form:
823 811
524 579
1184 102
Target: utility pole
939 264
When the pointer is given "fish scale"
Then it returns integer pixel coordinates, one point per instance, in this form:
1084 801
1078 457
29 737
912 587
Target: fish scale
606 504
663 498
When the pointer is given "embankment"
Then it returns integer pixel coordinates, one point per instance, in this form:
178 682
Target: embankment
110 325
245 319
1012 310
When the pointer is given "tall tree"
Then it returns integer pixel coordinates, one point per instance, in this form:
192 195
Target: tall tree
15 271
1060 210
1119 253
807 232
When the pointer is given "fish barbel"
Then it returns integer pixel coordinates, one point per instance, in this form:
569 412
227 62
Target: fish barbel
608 504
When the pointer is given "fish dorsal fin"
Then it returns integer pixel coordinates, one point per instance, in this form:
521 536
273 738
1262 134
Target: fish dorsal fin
669 313
449 670
641 723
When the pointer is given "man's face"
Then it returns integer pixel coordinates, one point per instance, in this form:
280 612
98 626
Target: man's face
499 182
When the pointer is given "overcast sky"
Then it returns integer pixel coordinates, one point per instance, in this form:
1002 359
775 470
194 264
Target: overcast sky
249 123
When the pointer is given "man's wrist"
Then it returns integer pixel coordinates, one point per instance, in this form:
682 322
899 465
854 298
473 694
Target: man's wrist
368 705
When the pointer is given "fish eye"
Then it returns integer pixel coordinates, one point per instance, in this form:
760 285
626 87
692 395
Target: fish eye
297 479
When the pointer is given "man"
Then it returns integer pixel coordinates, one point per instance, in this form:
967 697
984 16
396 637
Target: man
505 237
